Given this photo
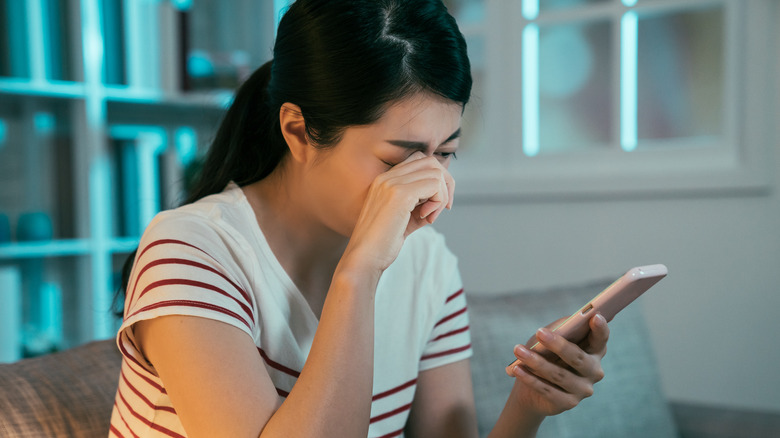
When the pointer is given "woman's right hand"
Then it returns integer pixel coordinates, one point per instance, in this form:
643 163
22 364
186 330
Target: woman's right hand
400 201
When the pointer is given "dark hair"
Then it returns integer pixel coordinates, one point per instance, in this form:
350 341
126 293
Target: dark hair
341 62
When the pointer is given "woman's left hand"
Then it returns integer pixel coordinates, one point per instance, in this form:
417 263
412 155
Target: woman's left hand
548 387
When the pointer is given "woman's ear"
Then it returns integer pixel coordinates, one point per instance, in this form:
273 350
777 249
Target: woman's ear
294 131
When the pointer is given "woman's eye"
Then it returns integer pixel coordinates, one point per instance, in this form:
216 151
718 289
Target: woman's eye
445 155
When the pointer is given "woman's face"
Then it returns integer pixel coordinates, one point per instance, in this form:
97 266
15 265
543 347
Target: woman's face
338 181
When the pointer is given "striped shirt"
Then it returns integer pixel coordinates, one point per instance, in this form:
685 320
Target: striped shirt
210 259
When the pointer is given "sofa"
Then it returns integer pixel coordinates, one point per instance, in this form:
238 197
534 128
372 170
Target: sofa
71 393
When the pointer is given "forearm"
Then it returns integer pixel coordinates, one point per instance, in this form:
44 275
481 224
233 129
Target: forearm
516 422
332 396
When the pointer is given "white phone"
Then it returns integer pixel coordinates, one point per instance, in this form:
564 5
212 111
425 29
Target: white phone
608 303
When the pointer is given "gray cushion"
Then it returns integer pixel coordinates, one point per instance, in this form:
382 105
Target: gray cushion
66 394
627 403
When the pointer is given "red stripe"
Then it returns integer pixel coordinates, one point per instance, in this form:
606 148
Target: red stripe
392 434
392 413
277 365
114 430
195 283
127 355
156 243
189 303
453 296
452 333
146 421
446 352
178 261
282 392
122 417
449 317
142 397
394 390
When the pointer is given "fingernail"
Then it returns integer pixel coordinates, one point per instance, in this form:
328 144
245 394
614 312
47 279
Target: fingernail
544 334
601 319
522 352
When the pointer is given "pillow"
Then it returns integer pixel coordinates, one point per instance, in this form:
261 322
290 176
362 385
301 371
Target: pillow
66 394
627 403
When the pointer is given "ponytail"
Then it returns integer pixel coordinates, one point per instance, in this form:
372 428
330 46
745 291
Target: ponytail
248 145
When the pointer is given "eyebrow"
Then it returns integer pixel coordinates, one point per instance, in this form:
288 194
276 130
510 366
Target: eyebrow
421 146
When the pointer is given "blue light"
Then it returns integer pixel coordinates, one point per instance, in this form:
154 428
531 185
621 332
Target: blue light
182 5
628 81
44 122
629 3
3 133
186 145
531 90
280 7
530 9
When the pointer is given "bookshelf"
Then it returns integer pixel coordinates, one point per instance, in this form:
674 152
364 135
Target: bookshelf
102 105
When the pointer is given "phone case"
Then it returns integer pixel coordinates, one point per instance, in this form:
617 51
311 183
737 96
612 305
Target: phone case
608 303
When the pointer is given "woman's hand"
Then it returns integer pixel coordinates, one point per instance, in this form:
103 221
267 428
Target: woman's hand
400 201
548 387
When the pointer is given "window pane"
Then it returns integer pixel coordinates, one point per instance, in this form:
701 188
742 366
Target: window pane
547 5
680 74
575 110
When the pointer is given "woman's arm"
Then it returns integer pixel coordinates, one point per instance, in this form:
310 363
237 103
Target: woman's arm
444 401
214 375
217 381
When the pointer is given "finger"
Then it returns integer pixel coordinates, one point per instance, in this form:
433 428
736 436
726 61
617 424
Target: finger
571 354
554 374
442 199
550 392
598 336
450 182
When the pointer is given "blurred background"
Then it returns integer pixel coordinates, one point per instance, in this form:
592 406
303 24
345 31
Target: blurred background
602 135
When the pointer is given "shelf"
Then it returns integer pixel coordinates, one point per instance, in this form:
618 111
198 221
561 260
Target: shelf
51 248
49 89
60 248
216 99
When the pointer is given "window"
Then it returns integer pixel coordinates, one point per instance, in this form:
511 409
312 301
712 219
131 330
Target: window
595 97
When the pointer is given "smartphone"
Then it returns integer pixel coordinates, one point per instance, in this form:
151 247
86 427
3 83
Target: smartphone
608 303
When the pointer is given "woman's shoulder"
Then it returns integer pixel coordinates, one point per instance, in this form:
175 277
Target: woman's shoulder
208 220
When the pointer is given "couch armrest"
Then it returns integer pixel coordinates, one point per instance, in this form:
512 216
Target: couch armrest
65 394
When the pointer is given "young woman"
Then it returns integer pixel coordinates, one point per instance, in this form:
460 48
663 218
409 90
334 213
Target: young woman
300 292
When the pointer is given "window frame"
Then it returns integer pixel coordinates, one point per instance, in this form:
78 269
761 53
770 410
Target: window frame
736 162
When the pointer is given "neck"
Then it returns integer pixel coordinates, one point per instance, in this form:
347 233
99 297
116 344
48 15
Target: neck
307 250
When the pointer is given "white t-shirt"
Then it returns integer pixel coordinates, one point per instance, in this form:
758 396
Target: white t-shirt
210 259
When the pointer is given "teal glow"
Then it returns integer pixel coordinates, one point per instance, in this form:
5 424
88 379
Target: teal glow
3 133
530 9
182 5
628 81
100 226
629 3
186 141
530 85
44 122
280 7
37 35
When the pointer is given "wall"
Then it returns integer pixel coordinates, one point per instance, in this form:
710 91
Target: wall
714 321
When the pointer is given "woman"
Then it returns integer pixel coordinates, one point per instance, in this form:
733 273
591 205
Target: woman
300 292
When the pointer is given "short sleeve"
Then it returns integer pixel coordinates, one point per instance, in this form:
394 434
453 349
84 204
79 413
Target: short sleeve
450 339
184 267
